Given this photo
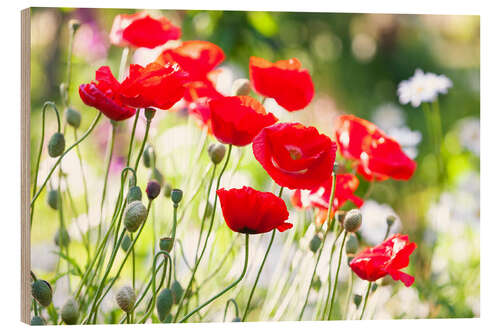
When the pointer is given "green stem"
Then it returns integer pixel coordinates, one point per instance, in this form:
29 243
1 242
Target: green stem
258 274
186 317
332 302
148 125
83 137
332 251
132 135
70 65
208 233
205 210
229 301
366 299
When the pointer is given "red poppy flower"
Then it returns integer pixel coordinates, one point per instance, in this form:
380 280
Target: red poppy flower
153 86
237 120
345 185
285 81
253 212
201 111
378 156
386 258
103 95
141 30
201 89
196 57
295 156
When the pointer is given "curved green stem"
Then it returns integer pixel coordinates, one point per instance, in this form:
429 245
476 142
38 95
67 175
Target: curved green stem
332 302
148 125
186 317
205 210
83 137
229 301
132 135
366 298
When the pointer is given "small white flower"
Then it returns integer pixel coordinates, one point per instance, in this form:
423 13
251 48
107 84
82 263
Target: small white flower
470 134
423 87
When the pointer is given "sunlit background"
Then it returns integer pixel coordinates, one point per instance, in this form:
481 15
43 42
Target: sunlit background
356 62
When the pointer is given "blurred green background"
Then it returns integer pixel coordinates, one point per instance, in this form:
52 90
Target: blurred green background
356 61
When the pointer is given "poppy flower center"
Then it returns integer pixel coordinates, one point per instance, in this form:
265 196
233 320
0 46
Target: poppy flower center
295 152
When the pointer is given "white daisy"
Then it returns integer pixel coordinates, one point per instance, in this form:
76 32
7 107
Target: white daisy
423 87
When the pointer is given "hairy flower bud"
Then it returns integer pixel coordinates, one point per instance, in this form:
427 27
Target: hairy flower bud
53 199
126 242
167 190
125 298
241 87
353 220
69 312
177 291
315 243
37 321
135 214
149 113
357 300
73 117
61 237
42 292
176 196
351 246
166 244
147 156
316 283
74 24
340 216
390 220
134 194
56 144
153 189
164 303
216 151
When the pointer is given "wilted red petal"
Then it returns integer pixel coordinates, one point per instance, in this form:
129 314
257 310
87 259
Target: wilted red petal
377 155
141 30
249 211
153 86
103 95
386 258
237 120
295 156
285 81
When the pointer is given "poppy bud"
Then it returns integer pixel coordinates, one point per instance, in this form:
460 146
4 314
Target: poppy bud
74 24
176 196
209 210
241 87
56 144
315 243
125 298
134 194
156 175
164 303
236 320
73 117
149 113
135 214
61 237
148 156
69 312
153 189
351 246
53 199
167 190
126 242
316 283
357 300
216 151
340 216
177 291
374 287
390 220
37 321
353 220
42 292
166 244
